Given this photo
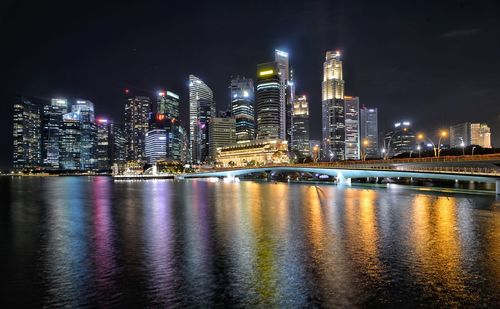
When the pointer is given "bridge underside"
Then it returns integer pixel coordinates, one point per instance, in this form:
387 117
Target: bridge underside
344 175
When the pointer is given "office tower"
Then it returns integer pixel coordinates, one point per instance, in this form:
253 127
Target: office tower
242 107
156 145
51 132
300 133
222 132
201 108
399 140
368 131
286 95
470 134
183 152
26 135
269 105
352 143
88 128
333 107
168 104
137 110
174 139
70 146
118 143
104 145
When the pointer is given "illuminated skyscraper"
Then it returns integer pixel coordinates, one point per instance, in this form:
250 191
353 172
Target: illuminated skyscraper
52 130
333 114
70 146
88 154
287 93
222 132
470 134
270 123
168 104
242 107
26 135
351 109
137 110
400 140
156 145
201 108
300 133
368 130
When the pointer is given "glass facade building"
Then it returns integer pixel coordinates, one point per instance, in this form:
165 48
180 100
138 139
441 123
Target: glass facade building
26 135
51 133
400 140
352 145
333 114
201 108
368 130
268 102
156 145
300 133
70 147
137 113
241 93
88 154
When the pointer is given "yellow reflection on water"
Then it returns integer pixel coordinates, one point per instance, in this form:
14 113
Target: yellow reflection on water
436 245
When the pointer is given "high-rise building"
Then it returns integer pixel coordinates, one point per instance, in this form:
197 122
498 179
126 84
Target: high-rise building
222 132
104 145
137 112
85 110
174 134
51 132
156 145
399 140
201 108
333 114
300 132
467 134
368 131
70 146
287 93
168 104
242 107
26 135
118 143
269 103
351 108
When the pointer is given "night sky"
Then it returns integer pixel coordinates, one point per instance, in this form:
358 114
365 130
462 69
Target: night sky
434 63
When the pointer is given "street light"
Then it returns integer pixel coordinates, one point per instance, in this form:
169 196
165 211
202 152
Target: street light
473 150
419 148
437 150
363 153
463 147
315 153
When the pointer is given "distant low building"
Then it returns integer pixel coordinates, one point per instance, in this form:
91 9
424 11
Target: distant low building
254 153
466 134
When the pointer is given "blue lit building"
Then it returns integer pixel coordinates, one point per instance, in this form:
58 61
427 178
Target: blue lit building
241 92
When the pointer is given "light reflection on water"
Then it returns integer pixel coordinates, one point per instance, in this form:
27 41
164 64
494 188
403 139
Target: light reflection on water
77 241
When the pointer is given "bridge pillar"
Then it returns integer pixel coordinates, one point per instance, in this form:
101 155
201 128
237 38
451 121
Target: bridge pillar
498 187
341 180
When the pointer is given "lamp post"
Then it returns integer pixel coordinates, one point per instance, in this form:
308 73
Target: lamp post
473 150
383 153
441 135
363 153
419 148
315 153
463 147
331 156
437 149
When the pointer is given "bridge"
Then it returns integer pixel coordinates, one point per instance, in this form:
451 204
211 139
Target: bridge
484 168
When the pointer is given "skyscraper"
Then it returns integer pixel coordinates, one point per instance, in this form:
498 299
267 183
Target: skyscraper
70 146
104 145
333 107
241 91
368 128
351 109
470 134
26 135
52 130
269 103
400 140
88 128
300 133
201 108
156 145
168 104
286 95
137 110
222 132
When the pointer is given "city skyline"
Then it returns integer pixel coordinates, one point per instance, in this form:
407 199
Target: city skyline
386 88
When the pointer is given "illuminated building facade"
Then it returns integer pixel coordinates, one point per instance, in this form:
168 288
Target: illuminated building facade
470 134
137 112
88 128
300 132
156 145
333 114
104 144
201 108
222 132
51 132
254 153
368 130
70 147
270 124
287 92
400 140
241 92
168 104
26 135
352 146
